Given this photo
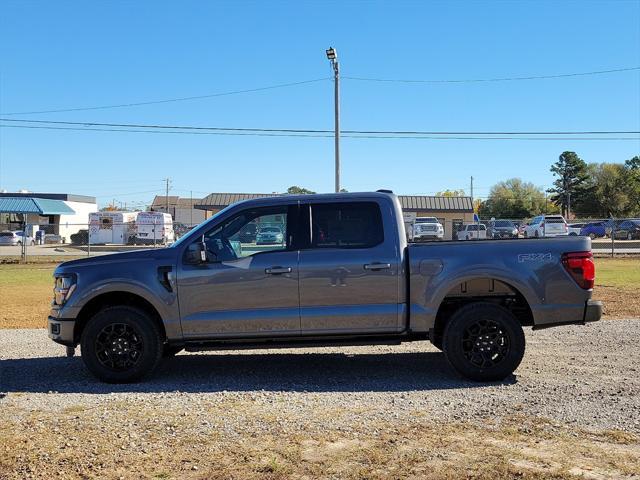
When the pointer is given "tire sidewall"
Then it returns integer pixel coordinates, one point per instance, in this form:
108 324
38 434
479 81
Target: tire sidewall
465 317
144 326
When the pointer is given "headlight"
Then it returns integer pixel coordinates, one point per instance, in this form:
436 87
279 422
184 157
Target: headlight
64 287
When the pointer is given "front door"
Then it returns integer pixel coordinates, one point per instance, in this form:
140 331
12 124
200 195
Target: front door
249 284
349 275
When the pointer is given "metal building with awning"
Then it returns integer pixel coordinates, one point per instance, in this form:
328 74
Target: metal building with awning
38 206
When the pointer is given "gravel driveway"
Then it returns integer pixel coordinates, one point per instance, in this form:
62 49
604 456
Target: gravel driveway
587 376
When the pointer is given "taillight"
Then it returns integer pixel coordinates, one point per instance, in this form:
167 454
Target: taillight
581 267
566 227
542 225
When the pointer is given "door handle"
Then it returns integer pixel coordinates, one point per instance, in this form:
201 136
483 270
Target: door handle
277 270
377 266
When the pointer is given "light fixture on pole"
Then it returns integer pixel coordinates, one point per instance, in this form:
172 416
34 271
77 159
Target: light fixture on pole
333 58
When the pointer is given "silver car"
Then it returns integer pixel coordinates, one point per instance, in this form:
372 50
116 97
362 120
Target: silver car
15 238
269 236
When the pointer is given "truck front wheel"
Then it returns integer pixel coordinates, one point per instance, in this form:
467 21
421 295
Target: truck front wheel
484 342
121 344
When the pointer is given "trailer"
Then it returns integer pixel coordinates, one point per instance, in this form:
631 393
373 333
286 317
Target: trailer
154 228
112 227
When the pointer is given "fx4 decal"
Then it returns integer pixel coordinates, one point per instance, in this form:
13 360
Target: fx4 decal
533 257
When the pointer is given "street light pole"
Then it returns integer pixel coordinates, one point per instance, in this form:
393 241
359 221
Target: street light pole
333 58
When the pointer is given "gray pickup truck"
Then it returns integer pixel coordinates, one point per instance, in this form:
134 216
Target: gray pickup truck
342 274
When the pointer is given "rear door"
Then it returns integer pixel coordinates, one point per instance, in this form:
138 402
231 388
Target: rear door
349 270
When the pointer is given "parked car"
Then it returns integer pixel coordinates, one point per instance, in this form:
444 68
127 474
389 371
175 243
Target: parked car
345 275
473 231
269 236
15 238
53 238
611 225
628 230
574 228
502 229
594 230
80 238
427 228
546 226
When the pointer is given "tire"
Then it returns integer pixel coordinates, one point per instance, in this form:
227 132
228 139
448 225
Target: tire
629 236
537 235
32 243
468 326
138 338
19 244
526 235
592 236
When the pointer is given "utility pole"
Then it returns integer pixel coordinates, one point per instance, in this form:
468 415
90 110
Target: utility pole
166 197
333 58
191 209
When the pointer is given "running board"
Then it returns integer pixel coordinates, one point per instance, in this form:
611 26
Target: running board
298 342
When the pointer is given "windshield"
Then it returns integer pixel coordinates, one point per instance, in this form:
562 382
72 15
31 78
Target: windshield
270 230
504 223
427 220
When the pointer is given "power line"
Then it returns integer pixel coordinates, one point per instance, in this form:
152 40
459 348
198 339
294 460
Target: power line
170 100
498 79
316 131
414 137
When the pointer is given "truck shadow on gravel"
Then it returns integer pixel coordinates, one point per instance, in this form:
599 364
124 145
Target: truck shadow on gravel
308 372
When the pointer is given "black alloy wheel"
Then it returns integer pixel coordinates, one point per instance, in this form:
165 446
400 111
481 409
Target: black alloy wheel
121 344
483 341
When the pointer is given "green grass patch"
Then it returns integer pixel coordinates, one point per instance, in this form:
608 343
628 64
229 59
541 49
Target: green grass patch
618 272
19 275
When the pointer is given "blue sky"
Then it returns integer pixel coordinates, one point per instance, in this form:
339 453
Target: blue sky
57 55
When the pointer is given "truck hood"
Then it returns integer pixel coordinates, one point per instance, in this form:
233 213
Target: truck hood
126 258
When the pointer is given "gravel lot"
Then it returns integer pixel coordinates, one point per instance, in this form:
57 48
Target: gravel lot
585 379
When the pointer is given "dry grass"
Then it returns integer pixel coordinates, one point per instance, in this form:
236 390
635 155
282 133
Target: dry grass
138 441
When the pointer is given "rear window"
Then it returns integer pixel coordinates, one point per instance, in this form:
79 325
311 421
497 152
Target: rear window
554 220
346 225
6 234
503 223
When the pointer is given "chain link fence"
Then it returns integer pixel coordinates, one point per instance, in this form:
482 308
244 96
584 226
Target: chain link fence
611 236
86 239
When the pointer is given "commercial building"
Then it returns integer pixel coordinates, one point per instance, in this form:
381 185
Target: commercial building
56 213
182 210
451 211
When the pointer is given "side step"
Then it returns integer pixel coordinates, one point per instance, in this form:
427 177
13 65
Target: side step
298 342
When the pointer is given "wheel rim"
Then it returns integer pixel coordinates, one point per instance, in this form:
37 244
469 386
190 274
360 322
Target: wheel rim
485 343
119 347
629 236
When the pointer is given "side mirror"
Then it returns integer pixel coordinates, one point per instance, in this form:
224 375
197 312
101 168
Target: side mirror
196 253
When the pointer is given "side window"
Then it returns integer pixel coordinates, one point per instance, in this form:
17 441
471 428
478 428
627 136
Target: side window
346 225
249 232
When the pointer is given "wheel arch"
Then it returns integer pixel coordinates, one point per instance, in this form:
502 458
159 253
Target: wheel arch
487 289
112 299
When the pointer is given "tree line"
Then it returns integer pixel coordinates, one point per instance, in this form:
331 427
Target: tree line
580 189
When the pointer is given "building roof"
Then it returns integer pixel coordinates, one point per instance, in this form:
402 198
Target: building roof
161 201
68 197
41 206
422 203
436 204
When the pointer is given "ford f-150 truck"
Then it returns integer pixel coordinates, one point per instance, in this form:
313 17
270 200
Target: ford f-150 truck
343 274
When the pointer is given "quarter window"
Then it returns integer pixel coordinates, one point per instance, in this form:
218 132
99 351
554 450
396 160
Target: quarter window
346 225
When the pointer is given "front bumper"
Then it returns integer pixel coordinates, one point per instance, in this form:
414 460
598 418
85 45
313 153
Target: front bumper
61 330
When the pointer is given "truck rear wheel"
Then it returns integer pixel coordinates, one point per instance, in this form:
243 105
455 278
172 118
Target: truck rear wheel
484 342
121 344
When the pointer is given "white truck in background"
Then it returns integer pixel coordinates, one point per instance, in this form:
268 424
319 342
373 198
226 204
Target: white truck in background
154 228
427 228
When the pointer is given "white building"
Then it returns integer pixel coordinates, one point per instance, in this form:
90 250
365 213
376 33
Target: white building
58 213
